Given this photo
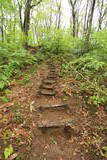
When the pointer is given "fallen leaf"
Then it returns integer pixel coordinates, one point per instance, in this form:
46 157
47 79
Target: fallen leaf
32 108
1 116
7 105
13 156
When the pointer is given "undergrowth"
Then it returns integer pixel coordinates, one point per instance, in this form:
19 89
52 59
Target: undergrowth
86 61
91 70
14 59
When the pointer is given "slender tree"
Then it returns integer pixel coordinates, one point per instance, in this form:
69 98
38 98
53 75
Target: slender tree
59 14
90 19
102 8
25 24
73 5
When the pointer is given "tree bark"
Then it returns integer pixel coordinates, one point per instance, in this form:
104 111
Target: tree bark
73 16
85 18
25 25
59 15
90 20
2 26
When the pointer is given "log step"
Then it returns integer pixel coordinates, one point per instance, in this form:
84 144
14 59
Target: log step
47 92
49 87
63 123
52 71
51 66
57 106
52 76
47 81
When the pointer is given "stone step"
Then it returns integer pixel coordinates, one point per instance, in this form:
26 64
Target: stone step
50 124
51 107
47 92
50 82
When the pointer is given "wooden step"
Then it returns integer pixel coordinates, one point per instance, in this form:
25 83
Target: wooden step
50 124
47 81
51 107
47 92
51 66
52 76
52 71
49 87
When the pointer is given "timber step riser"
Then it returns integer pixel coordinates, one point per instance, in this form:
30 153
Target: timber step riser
47 87
54 107
50 82
51 76
64 123
52 71
47 93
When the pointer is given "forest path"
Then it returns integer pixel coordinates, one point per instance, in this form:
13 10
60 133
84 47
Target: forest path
47 119
60 122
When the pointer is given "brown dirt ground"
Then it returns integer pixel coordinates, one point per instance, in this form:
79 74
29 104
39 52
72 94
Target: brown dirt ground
88 133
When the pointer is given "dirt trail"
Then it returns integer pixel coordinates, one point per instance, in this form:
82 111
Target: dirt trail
58 130
56 124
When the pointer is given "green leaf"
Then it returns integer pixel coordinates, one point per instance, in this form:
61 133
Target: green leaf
8 151
105 148
2 85
4 99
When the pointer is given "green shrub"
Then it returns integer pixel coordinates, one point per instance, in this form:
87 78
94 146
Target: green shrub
91 70
12 59
57 41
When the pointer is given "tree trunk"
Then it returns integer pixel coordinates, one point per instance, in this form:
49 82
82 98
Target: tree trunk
73 16
26 23
2 26
59 15
85 18
74 21
90 21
